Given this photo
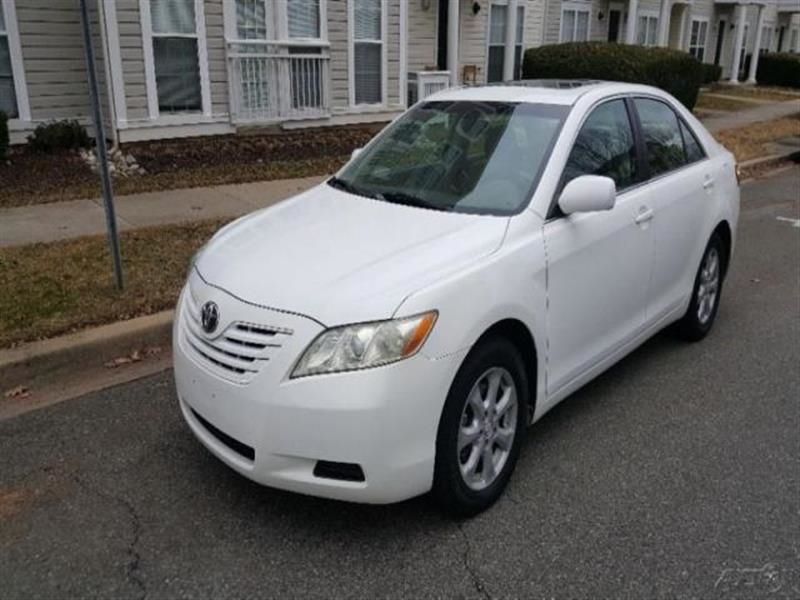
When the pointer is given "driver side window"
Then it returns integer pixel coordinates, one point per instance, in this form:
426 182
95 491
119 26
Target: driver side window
605 146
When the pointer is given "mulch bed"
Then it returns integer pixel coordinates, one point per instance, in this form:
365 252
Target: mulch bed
33 178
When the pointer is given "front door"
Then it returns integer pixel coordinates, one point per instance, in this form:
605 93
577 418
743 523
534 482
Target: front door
614 22
599 263
441 37
720 42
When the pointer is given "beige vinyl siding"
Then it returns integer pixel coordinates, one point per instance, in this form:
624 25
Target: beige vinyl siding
392 48
132 53
217 68
534 21
54 59
337 36
472 44
552 26
421 36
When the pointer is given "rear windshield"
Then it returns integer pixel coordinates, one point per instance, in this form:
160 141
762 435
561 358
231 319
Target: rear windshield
477 157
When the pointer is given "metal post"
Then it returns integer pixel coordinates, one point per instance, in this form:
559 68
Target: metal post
100 144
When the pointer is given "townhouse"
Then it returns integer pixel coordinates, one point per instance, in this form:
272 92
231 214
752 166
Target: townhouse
172 68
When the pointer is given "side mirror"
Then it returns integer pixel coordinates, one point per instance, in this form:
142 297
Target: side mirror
588 193
355 153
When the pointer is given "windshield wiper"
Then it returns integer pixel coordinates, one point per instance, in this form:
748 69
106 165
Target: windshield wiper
408 200
348 187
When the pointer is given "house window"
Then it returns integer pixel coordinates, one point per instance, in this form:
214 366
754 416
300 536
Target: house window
574 23
8 97
304 18
766 40
793 47
498 19
175 55
647 30
697 39
368 28
251 19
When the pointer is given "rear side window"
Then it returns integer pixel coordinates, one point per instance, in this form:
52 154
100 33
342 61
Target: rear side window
694 152
662 136
605 146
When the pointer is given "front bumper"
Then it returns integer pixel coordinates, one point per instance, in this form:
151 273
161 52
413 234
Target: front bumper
383 419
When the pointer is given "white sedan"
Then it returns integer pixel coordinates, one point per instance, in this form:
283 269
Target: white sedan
394 330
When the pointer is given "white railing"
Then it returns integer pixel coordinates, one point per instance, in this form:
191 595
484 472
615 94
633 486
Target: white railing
277 81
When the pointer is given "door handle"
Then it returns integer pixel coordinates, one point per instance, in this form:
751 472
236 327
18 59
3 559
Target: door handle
708 183
645 215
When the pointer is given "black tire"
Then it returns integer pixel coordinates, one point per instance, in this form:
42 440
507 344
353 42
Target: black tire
691 327
450 490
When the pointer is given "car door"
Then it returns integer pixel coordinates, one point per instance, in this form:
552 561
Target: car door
599 263
680 188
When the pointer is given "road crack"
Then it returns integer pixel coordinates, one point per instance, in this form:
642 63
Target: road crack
132 570
477 581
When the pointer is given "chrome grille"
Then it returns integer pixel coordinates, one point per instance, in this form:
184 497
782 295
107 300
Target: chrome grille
238 352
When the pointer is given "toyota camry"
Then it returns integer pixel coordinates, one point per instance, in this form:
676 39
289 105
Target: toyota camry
394 330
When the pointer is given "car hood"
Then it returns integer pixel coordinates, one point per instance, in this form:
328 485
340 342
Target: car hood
340 258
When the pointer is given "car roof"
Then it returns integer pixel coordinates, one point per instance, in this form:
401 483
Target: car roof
536 91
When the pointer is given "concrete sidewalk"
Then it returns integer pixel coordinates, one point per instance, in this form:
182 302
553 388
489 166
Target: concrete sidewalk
757 114
65 220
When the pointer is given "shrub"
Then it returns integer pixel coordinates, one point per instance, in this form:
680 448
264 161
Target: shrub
711 73
59 135
779 68
4 141
671 70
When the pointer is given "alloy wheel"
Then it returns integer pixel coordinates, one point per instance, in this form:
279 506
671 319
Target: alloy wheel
709 286
487 428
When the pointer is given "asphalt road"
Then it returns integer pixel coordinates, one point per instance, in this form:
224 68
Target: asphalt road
675 474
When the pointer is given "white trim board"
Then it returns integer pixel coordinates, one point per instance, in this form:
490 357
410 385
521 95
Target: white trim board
17 65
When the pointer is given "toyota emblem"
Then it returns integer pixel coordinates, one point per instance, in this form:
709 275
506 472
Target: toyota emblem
209 317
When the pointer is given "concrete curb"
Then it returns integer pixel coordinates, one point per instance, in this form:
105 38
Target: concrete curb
50 359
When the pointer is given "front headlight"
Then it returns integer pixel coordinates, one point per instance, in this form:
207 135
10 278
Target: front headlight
365 345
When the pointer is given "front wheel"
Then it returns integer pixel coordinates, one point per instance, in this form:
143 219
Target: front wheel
702 311
481 429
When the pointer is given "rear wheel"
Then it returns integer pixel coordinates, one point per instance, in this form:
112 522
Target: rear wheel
702 311
481 429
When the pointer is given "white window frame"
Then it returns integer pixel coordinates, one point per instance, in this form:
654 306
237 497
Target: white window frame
521 43
699 46
766 38
17 66
150 71
576 7
647 15
351 84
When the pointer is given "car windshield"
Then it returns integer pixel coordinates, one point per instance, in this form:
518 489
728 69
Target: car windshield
476 157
